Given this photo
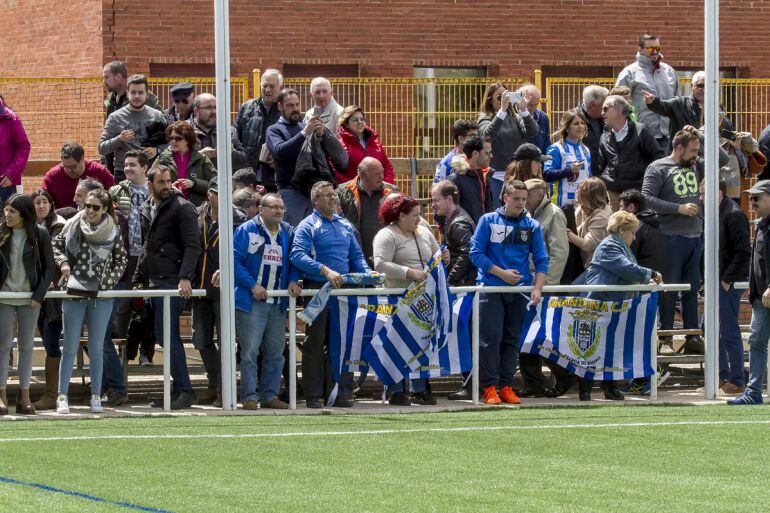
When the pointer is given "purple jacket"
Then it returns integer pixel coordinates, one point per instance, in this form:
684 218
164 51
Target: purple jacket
14 145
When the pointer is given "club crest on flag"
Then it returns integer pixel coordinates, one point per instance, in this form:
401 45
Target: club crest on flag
583 335
421 305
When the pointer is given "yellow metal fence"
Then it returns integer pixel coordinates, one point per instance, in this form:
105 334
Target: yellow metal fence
412 115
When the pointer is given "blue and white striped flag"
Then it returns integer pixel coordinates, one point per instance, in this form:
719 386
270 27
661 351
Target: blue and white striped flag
601 340
418 328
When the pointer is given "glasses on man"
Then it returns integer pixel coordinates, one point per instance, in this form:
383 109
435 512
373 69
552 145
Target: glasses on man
175 138
185 101
91 206
652 49
277 208
755 199
699 85
436 200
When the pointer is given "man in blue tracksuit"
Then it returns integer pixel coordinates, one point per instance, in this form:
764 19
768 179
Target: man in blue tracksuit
325 247
500 249
261 264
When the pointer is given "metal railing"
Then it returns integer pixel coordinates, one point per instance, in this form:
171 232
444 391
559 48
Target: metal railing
143 293
556 289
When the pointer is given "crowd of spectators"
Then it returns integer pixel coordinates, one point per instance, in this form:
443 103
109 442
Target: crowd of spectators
613 196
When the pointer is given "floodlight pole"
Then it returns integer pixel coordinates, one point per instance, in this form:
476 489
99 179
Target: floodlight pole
711 207
224 163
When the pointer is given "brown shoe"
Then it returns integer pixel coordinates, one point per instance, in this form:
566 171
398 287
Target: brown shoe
275 404
732 389
250 404
208 397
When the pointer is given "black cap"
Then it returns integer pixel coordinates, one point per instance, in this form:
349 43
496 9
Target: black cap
214 185
182 90
761 187
529 151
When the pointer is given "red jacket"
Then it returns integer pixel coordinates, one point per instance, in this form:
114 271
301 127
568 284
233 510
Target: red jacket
14 145
357 153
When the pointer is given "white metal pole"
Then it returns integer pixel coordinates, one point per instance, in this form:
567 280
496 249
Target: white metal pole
711 208
292 353
475 349
167 353
224 163
654 353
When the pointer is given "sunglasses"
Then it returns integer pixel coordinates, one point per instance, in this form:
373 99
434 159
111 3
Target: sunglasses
652 49
185 101
175 138
91 206
700 85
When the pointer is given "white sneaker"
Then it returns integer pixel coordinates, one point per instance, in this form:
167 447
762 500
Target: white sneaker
96 404
62 406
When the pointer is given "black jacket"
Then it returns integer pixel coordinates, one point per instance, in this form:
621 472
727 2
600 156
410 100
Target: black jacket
251 126
593 135
39 275
458 232
475 193
754 291
172 242
764 147
622 164
208 139
208 262
680 110
649 247
734 242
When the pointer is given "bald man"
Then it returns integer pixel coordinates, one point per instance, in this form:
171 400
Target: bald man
204 121
360 200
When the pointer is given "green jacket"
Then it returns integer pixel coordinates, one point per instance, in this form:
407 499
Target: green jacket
200 170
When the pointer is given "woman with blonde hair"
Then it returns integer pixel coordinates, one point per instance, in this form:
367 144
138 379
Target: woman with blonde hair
570 163
592 215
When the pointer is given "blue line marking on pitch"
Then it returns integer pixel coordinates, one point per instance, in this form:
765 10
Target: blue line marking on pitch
85 496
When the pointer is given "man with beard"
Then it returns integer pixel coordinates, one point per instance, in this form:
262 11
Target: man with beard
285 140
133 127
671 189
649 74
115 77
204 121
171 249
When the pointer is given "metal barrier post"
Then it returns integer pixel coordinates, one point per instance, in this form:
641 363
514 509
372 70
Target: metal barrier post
292 353
475 350
167 353
654 353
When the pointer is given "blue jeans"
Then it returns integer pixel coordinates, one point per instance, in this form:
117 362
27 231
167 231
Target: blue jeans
683 266
113 367
298 207
261 331
96 314
179 372
730 342
499 337
758 339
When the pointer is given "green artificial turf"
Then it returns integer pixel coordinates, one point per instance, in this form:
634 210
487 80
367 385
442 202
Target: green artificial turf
674 468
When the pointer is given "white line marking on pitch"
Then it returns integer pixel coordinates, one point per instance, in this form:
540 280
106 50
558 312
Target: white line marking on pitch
386 431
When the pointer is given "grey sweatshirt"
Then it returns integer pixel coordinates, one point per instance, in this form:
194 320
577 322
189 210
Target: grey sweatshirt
668 185
126 119
507 135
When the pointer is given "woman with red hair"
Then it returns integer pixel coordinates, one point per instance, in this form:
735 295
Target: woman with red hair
401 251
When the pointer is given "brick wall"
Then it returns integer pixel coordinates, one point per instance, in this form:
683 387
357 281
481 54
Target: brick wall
388 38
51 38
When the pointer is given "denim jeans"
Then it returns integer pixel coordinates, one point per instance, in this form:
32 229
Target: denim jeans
683 266
96 313
26 318
261 331
758 340
179 372
499 337
298 207
730 341
112 378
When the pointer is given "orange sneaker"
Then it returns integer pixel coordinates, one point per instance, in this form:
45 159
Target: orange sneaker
507 395
490 396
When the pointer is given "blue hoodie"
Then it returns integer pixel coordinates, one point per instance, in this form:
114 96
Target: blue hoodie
507 243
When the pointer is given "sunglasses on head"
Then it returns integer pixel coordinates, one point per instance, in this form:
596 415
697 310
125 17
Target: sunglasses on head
91 206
